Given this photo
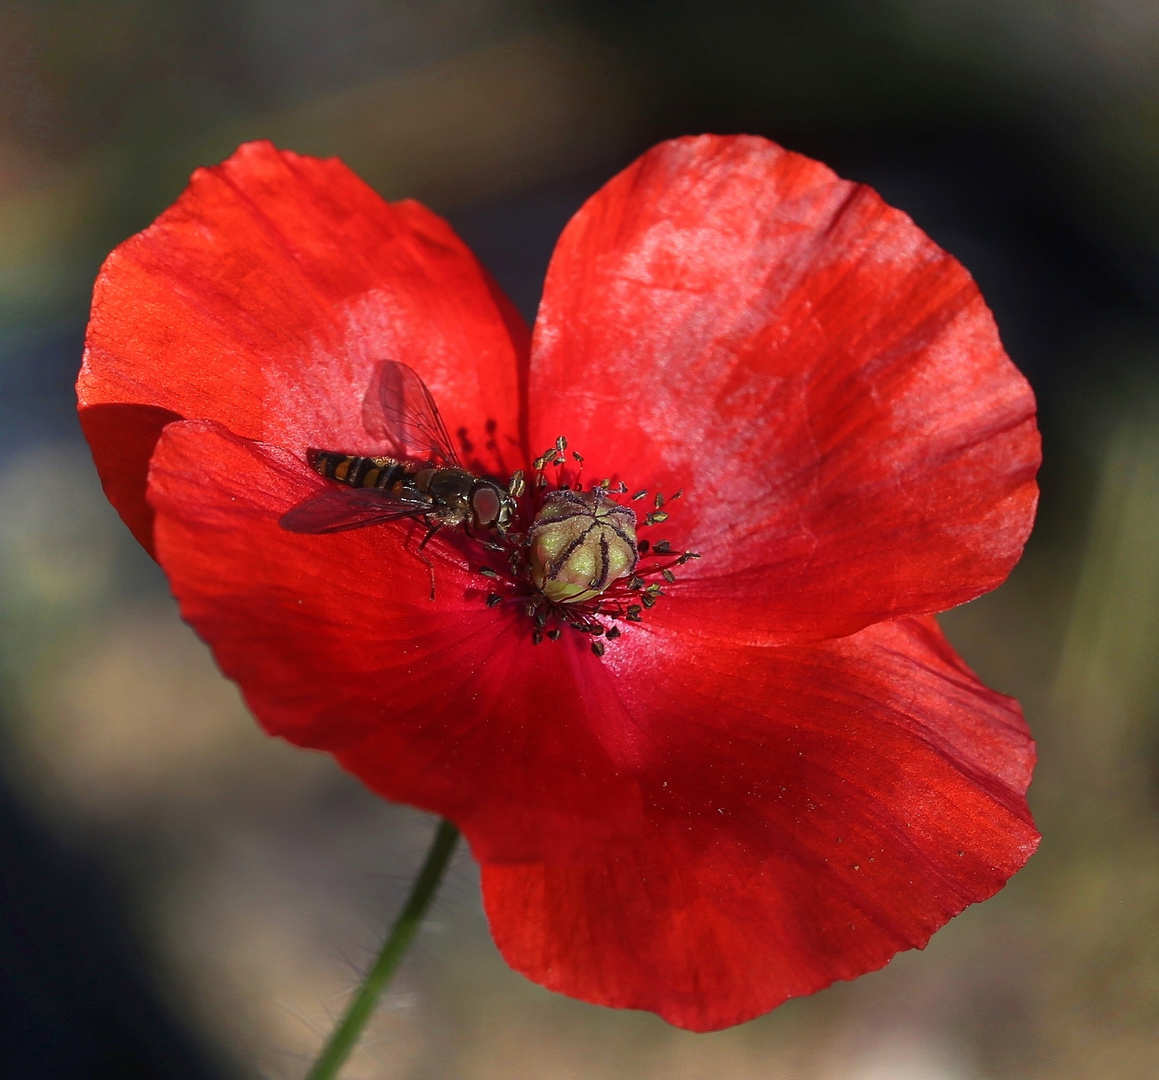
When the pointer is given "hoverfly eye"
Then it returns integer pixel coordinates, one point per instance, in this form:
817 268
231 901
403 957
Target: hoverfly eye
485 505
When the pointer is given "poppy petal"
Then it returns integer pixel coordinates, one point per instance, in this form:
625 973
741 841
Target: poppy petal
337 645
813 810
266 297
822 380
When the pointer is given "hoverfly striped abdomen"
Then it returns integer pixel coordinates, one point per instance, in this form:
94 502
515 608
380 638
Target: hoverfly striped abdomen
358 472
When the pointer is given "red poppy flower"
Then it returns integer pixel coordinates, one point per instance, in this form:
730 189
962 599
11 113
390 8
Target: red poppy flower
782 774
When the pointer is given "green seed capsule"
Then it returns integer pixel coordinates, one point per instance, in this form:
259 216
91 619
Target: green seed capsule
580 543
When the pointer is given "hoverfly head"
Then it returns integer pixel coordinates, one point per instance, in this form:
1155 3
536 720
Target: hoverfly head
491 507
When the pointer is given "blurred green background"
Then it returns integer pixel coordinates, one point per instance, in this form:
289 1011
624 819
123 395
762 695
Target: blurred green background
182 897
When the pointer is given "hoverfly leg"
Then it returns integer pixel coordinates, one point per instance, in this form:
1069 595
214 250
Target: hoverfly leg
431 530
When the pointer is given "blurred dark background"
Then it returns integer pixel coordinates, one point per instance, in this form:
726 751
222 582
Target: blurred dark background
181 897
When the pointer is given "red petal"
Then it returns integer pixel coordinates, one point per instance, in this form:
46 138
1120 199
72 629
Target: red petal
265 298
813 810
337 645
823 381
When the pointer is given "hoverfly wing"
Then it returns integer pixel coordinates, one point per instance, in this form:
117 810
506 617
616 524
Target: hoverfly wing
399 408
349 508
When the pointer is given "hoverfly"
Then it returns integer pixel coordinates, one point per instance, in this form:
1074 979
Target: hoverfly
422 478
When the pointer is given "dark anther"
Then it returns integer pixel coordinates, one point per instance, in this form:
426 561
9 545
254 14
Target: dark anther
657 517
687 556
598 648
635 583
541 618
561 444
667 575
659 500
663 547
649 599
605 483
576 454
554 634
612 633
633 613
493 599
536 637
486 571
639 494
642 547
678 494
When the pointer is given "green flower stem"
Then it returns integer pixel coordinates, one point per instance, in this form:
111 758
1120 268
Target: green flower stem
349 1029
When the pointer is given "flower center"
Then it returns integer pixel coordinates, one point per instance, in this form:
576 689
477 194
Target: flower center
579 563
579 543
